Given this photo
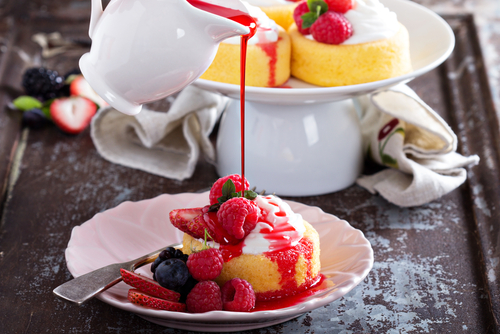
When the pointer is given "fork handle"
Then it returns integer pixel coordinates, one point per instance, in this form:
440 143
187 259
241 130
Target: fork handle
85 287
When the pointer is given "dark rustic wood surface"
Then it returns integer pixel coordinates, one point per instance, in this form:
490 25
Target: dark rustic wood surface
436 266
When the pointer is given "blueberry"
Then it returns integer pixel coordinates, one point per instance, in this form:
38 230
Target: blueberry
34 118
168 253
172 274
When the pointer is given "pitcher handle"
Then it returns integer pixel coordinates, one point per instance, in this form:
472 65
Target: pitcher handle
95 15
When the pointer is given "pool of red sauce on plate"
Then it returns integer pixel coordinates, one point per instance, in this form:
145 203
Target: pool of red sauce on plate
310 286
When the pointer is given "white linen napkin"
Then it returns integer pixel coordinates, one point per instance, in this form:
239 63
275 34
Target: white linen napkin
162 143
402 132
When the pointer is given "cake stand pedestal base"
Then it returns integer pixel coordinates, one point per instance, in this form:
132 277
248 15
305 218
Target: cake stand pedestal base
293 150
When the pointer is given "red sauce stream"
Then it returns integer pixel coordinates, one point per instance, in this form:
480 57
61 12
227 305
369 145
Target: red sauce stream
248 21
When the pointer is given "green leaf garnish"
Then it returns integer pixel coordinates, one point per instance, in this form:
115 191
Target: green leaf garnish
250 194
25 103
228 192
316 8
308 19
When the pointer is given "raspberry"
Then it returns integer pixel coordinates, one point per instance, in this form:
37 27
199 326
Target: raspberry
238 216
206 264
238 295
204 297
216 190
331 28
339 6
300 10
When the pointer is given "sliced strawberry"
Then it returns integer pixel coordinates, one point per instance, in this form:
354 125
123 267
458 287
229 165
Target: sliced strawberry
189 221
149 286
72 114
80 87
143 299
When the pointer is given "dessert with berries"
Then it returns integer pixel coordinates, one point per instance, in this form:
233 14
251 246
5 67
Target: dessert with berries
347 42
268 55
261 240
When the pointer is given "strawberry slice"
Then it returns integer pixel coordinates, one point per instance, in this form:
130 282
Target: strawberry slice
149 286
189 221
142 299
72 114
80 87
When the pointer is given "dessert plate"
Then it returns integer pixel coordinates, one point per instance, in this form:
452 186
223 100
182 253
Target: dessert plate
135 228
431 42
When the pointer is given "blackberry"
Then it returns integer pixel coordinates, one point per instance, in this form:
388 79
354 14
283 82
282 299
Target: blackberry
42 83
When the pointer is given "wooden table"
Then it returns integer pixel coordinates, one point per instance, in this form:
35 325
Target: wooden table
436 266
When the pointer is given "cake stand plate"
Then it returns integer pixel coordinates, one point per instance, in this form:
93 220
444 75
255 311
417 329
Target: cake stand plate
311 135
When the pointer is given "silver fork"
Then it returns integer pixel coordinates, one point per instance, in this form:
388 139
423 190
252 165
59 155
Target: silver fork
85 287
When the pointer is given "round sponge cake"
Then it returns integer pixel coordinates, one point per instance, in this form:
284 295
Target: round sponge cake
267 64
275 274
339 65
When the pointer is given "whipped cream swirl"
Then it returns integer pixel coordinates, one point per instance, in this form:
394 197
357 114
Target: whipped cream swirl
267 29
371 21
279 227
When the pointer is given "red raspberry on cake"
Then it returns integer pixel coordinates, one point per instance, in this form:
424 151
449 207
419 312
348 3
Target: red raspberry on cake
216 190
331 28
238 216
204 297
300 10
206 264
238 295
339 6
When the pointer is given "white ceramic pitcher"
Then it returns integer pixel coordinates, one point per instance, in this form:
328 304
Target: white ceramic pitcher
145 50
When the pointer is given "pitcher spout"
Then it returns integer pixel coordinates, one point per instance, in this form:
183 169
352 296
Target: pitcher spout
230 18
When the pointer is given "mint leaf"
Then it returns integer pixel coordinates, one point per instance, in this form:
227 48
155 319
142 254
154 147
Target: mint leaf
25 103
317 6
228 188
250 194
228 191
308 19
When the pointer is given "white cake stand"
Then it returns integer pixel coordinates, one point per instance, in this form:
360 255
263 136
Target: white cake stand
306 140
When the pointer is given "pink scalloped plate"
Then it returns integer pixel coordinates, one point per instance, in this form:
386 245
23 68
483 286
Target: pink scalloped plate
133 229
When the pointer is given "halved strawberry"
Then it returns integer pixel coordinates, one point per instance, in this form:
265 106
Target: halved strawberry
143 299
72 114
189 221
80 87
149 286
